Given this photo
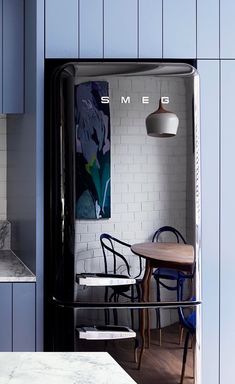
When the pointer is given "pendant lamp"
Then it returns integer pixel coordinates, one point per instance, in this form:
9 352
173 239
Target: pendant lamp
162 123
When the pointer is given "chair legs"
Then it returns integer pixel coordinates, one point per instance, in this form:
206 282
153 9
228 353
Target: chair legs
136 350
158 314
184 357
181 334
115 312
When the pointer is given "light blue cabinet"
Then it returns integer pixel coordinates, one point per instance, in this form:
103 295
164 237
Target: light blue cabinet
179 29
23 317
6 317
120 29
17 317
210 262
61 28
208 29
227 29
1 56
91 28
150 28
13 56
227 313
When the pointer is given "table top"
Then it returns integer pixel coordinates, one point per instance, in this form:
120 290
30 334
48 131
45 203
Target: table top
166 255
61 368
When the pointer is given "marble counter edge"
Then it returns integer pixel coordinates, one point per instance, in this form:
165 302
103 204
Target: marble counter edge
62 368
11 276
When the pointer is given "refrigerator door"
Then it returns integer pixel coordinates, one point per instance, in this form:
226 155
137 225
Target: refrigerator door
109 189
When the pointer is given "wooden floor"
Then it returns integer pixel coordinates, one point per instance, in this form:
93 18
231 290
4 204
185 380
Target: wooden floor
161 365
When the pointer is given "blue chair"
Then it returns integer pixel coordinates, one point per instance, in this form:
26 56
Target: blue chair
188 323
160 274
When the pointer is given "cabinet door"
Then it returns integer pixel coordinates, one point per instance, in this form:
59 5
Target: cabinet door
120 28
210 260
61 28
227 309
5 317
150 28
0 58
208 29
227 29
13 56
24 317
179 29
91 28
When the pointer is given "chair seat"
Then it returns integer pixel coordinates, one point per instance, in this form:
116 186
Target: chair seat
168 273
121 288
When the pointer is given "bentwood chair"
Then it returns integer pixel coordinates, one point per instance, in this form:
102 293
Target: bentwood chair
114 263
162 275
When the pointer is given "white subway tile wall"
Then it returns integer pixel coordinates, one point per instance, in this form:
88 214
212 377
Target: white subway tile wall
3 165
149 175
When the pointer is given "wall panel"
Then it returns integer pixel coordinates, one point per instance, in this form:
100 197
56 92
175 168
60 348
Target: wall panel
208 28
150 28
227 312
209 84
13 56
6 317
61 28
227 29
91 28
1 56
24 317
120 28
179 29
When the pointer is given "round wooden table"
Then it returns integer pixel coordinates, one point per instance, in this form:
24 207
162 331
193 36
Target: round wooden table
177 256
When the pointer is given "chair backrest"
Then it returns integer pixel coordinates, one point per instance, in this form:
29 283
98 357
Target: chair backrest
108 244
166 228
178 237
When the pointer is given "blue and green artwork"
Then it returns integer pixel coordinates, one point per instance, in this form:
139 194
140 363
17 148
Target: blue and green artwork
92 122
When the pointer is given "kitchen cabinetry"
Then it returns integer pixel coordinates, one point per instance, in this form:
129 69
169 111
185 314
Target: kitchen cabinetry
109 28
227 310
208 29
12 56
17 317
227 29
6 317
210 165
179 29
61 28
150 28
91 33
120 26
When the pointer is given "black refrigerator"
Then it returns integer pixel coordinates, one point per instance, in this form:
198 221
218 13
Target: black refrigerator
109 176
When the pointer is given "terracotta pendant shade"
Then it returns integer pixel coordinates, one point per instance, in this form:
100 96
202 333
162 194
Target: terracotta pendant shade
162 123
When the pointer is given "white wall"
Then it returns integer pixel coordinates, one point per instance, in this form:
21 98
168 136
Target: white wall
149 175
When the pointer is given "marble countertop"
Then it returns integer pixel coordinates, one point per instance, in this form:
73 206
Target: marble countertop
12 269
61 368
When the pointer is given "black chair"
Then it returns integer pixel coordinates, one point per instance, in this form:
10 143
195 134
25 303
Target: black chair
130 291
169 274
189 323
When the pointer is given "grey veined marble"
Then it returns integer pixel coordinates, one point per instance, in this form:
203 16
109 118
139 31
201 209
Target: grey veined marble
12 269
5 235
61 368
